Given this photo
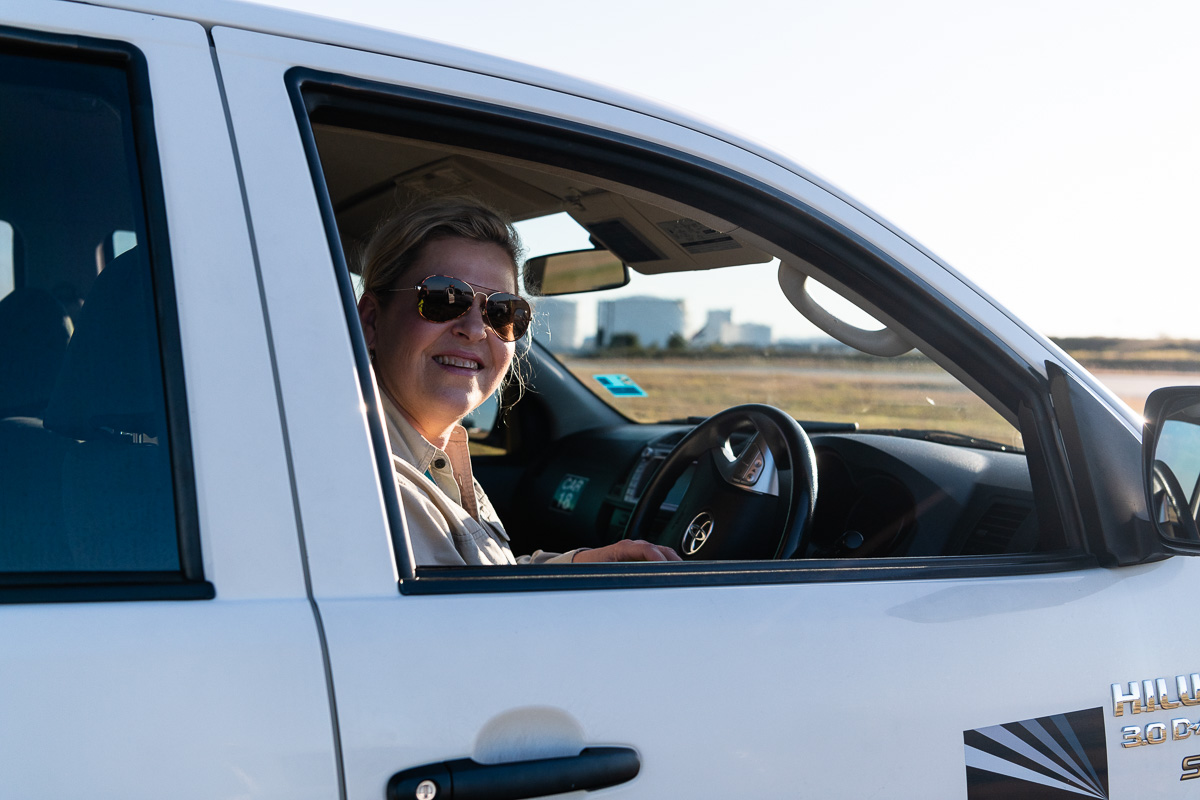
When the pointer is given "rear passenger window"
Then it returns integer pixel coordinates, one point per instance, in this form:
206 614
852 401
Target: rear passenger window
86 489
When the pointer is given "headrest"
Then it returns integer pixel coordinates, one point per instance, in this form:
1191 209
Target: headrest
111 379
34 331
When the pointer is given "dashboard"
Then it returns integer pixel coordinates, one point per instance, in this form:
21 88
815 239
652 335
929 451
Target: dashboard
878 495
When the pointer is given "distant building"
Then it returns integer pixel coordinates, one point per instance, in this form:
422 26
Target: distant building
750 334
721 329
555 323
713 327
651 320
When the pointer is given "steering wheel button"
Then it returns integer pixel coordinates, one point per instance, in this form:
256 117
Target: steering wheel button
753 469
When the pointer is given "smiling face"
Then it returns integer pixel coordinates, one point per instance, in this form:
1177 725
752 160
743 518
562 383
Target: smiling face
438 372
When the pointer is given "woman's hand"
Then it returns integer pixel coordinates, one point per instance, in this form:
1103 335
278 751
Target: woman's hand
628 550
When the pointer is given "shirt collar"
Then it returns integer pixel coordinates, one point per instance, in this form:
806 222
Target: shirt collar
407 442
452 467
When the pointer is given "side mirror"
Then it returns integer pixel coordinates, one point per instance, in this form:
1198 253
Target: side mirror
1171 462
577 271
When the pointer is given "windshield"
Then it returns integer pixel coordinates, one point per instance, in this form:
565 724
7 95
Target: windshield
686 345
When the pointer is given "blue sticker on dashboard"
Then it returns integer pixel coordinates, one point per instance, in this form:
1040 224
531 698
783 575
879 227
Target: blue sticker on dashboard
620 385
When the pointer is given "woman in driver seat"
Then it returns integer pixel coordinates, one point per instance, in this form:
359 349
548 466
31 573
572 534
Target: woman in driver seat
441 316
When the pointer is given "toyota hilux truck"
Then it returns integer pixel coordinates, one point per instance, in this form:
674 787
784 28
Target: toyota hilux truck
964 574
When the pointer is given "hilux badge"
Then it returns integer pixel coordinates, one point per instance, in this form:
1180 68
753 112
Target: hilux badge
697 533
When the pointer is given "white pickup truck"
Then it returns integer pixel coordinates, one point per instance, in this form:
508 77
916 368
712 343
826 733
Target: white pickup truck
206 589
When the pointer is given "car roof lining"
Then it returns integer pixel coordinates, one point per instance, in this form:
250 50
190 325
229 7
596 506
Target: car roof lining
370 173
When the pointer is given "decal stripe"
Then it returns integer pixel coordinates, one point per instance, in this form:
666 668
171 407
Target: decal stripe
990 763
1043 736
1006 738
1055 757
1064 727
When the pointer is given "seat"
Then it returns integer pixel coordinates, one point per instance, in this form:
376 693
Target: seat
34 332
110 384
117 498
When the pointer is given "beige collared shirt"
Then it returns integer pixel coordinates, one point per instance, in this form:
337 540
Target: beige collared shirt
450 520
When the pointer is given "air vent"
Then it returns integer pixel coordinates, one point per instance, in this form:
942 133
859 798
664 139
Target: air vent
650 460
995 530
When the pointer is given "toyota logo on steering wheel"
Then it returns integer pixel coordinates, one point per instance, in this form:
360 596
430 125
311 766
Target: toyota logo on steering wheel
697 533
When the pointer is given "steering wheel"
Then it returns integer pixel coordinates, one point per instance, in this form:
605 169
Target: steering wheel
1169 492
755 503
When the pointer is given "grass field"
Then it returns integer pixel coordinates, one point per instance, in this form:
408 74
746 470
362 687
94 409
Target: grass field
899 393
902 394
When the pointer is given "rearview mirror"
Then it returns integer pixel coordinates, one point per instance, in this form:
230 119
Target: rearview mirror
1171 462
577 271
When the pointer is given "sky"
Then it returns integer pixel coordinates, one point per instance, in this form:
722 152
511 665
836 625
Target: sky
1048 150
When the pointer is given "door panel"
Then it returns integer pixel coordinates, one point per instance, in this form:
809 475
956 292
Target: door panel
193 699
819 690
842 689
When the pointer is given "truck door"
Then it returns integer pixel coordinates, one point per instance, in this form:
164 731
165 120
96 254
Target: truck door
937 677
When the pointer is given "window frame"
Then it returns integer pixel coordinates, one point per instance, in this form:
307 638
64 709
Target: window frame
188 582
320 96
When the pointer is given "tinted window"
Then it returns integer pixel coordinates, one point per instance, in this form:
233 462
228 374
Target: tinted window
85 467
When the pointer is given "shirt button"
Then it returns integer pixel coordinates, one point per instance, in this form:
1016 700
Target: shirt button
439 463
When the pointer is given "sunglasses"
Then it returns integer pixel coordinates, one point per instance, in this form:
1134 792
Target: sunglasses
441 299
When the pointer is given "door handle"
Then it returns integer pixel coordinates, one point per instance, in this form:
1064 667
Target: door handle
464 779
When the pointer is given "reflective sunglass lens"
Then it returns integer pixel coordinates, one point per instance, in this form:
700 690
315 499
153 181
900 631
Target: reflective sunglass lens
508 315
441 299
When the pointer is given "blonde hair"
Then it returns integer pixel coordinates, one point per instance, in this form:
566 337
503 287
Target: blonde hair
399 240
397 243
